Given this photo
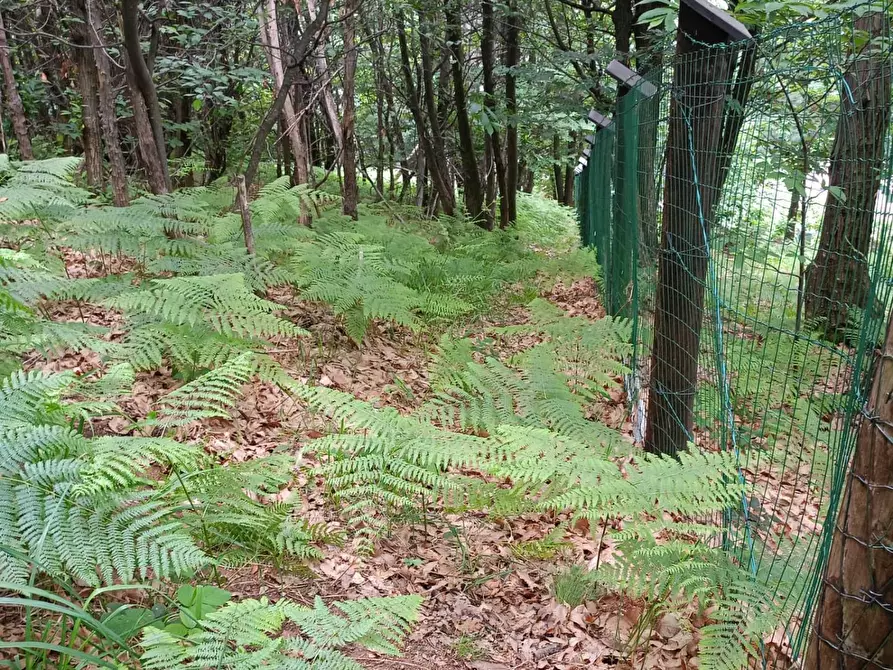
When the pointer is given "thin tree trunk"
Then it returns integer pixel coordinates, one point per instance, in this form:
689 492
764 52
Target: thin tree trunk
557 171
488 63
838 278
512 59
438 164
569 195
245 212
269 38
154 166
107 116
474 195
300 51
427 146
854 617
793 211
569 175
14 100
348 118
91 136
328 99
142 78
649 64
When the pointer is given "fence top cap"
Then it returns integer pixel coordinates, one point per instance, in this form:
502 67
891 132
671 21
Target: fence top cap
583 162
587 152
589 139
632 79
599 119
731 26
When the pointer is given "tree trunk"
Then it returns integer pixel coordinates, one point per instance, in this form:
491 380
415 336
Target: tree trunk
328 99
569 175
691 191
107 116
474 190
441 185
436 161
156 173
348 118
569 195
245 212
269 38
14 100
142 78
91 136
622 18
488 63
838 278
557 171
512 59
854 618
299 53
793 215
649 64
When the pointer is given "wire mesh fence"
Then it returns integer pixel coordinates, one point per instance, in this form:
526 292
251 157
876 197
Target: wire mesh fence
741 204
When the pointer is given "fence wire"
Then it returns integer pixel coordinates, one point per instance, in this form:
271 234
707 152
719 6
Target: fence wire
742 219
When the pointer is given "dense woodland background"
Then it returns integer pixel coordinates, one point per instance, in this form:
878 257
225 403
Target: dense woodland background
305 364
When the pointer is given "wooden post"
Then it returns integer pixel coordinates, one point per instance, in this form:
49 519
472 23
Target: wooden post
691 189
242 201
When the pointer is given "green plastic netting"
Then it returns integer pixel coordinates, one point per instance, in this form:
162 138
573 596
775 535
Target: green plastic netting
742 220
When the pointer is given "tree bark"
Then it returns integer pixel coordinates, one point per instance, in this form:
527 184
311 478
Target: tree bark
107 116
512 59
328 99
351 194
148 149
471 178
691 191
269 38
649 64
91 137
142 78
245 212
14 100
838 278
488 63
299 53
854 618
557 171
441 184
793 215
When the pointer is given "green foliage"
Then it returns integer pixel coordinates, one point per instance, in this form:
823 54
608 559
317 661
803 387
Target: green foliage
362 283
685 565
249 634
82 506
573 586
197 322
37 191
550 386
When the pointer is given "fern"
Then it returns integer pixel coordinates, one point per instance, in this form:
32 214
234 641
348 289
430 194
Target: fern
198 322
38 190
211 395
82 506
550 386
249 634
745 610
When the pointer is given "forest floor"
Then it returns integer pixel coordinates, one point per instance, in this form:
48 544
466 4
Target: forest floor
488 599
488 604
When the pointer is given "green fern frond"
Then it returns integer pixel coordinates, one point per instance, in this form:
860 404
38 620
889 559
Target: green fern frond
248 635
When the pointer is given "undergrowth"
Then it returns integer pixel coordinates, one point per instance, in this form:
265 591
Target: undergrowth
147 509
